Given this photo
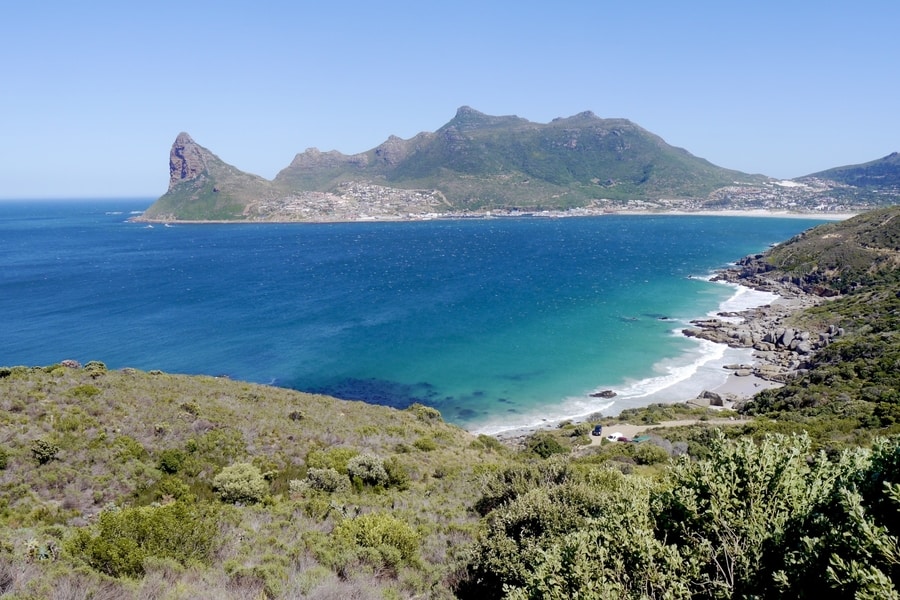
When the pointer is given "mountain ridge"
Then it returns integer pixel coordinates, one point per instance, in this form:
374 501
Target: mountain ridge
478 163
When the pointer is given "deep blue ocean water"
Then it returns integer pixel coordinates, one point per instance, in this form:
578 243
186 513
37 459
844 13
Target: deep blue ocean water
497 323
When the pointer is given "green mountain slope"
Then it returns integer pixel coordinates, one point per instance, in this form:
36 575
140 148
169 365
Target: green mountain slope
881 173
479 161
844 256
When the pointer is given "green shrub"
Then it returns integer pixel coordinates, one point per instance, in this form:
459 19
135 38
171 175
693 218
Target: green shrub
545 445
84 392
170 461
123 539
43 451
128 448
487 442
240 482
332 458
368 468
327 480
169 487
425 444
398 476
425 413
95 368
4 458
390 540
647 453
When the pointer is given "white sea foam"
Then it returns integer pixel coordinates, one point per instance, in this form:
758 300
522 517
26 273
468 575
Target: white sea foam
675 379
743 299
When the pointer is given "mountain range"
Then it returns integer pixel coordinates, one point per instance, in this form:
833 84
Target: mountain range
478 163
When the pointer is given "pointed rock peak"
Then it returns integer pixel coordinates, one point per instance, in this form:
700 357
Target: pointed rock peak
184 138
187 160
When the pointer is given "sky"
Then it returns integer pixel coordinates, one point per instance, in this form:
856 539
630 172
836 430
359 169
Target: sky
92 94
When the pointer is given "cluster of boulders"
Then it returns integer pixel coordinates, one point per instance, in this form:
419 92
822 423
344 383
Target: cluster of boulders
782 350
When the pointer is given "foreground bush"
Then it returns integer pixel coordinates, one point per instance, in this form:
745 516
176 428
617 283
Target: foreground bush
240 482
753 520
122 540
367 469
380 539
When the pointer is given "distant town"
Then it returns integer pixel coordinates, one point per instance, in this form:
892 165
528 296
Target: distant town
360 201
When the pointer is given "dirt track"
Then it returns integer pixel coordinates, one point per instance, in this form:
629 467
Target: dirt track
631 431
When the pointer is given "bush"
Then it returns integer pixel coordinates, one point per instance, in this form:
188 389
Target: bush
4 458
95 369
84 392
128 448
649 454
425 444
332 458
327 480
369 469
392 540
545 445
425 413
123 539
398 476
170 461
43 451
240 482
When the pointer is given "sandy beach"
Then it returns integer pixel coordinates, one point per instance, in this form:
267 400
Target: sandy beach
776 351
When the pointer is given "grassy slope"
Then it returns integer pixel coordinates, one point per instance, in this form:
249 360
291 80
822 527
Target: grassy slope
111 431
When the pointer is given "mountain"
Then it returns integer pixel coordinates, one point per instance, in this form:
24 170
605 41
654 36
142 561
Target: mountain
479 161
475 162
838 258
204 187
881 173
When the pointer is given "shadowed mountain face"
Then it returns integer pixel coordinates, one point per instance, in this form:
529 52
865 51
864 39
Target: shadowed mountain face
479 162
881 173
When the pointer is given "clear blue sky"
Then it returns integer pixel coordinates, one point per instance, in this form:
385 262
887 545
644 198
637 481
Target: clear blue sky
92 94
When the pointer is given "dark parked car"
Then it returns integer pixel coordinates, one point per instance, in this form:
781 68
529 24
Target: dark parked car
598 430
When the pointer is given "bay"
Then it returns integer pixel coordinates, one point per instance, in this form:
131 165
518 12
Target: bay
498 323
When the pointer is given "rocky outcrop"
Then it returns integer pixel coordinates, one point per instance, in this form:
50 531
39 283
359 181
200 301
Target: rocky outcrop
186 160
781 350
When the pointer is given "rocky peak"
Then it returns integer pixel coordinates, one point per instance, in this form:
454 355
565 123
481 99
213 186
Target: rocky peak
186 160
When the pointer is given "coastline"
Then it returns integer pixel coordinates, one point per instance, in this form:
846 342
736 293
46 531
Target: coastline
769 352
547 214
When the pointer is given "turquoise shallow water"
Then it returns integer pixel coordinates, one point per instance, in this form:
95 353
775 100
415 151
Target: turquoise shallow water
497 323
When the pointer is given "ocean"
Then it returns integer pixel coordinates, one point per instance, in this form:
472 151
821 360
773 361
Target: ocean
499 323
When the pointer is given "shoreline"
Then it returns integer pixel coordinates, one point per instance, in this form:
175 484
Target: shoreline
775 353
556 214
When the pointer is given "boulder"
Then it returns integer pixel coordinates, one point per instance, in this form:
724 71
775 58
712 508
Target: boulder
714 398
700 402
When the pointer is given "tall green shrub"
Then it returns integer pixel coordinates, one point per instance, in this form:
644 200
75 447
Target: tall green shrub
240 482
121 540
